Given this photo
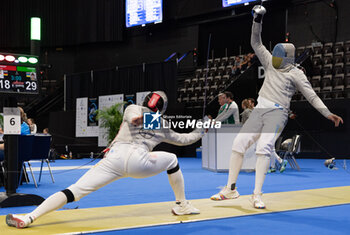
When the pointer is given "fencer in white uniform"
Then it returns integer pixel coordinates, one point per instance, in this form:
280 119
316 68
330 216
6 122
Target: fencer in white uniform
130 155
268 119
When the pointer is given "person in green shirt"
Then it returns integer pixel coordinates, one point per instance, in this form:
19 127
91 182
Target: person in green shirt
222 102
228 112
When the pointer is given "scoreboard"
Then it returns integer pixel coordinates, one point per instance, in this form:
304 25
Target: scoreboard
140 12
228 3
18 74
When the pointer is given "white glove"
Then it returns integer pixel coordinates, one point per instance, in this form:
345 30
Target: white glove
258 12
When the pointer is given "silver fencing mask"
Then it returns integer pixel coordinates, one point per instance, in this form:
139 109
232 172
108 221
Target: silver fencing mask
283 55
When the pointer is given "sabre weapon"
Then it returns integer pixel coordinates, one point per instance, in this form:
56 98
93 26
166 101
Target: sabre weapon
206 77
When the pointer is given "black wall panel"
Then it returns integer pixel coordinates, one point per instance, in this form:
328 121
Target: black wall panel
64 22
316 21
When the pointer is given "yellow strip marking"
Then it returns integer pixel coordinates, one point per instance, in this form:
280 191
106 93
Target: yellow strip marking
153 214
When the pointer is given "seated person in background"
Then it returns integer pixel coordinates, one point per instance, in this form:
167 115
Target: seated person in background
247 110
252 102
24 126
237 66
46 131
1 134
1 158
25 130
1 144
230 114
223 105
244 64
222 102
249 64
32 126
252 57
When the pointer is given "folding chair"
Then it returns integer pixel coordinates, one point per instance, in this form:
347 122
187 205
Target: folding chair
25 143
2 169
292 150
41 150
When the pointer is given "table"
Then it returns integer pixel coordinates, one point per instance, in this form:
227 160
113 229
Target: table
217 148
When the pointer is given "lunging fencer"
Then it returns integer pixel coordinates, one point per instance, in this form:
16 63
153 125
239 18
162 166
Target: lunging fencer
130 155
268 119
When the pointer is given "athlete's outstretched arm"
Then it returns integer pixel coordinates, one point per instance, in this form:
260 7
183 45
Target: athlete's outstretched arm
304 86
182 139
260 50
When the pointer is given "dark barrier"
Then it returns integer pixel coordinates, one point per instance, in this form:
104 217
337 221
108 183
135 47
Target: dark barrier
319 136
123 80
126 80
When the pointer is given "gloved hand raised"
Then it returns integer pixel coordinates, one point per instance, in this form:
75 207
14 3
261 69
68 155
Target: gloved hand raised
258 13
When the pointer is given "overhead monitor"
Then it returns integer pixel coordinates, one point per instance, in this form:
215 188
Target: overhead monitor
142 12
18 74
228 3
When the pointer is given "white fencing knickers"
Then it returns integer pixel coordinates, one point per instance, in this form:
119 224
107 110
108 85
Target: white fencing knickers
265 126
123 160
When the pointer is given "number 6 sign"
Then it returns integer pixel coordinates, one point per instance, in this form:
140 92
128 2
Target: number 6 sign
12 121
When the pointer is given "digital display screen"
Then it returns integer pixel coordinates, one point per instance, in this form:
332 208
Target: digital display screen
140 12
18 79
228 3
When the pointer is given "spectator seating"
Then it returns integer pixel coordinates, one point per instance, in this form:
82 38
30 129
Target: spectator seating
221 72
330 70
329 74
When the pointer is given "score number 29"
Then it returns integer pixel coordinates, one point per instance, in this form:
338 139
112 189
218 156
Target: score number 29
30 86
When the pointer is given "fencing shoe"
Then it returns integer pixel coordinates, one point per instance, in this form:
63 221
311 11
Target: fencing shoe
257 201
184 208
271 170
283 166
224 194
18 221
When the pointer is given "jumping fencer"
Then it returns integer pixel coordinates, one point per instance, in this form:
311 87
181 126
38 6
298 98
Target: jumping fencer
268 119
130 155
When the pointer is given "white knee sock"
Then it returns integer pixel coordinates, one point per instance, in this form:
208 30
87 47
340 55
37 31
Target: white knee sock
176 181
273 159
279 159
54 202
261 168
236 162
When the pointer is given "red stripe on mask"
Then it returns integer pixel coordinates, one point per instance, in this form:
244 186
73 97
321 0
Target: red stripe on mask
153 102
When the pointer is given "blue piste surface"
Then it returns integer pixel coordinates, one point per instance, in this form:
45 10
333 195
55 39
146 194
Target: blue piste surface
201 183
